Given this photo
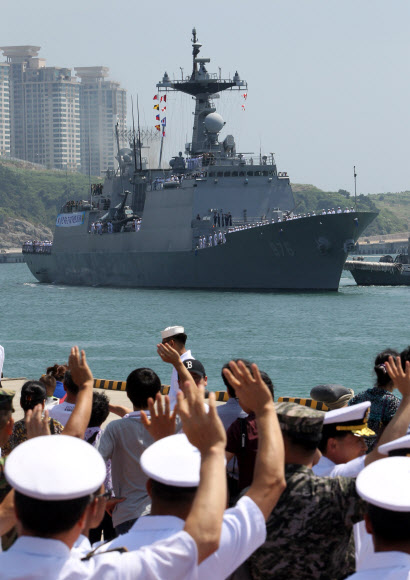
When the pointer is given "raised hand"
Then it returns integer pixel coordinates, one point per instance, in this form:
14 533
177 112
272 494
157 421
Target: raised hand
168 354
251 391
400 378
203 429
80 371
161 423
36 424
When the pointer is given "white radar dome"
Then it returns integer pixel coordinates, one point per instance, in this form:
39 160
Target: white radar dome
214 122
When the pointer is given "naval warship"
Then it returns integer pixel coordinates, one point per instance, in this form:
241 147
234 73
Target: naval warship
388 271
217 218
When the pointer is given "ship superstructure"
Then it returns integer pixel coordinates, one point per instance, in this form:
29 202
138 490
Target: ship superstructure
217 218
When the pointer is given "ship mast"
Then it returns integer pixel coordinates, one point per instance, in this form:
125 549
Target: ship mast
202 86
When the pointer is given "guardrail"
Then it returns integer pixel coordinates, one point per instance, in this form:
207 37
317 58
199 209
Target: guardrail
221 396
305 402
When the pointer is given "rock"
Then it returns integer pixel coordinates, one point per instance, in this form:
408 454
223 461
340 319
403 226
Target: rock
14 232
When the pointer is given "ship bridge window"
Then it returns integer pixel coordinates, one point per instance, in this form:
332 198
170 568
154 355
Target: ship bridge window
219 174
242 174
250 173
266 173
212 174
227 174
258 173
271 173
234 174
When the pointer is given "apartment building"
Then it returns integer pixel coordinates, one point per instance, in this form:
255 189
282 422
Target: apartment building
4 110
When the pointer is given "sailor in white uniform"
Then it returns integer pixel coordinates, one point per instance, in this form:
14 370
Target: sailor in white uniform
173 467
176 337
53 500
385 486
343 447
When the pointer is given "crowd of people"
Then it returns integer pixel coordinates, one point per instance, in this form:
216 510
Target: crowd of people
37 247
312 494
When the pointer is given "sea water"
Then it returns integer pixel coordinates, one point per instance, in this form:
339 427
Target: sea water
299 339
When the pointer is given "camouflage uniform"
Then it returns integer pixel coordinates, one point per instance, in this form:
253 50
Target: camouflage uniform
6 404
309 533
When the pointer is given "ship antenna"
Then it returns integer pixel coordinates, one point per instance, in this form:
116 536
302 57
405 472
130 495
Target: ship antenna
139 134
355 175
133 133
195 51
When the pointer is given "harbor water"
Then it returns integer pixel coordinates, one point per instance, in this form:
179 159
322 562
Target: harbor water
299 339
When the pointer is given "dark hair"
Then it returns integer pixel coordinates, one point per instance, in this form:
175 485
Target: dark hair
265 378
99 410
405 356
141 385
57 371
382 375
69 384
172 494
32 393
389 526
180 338
49 382
47 518
330 432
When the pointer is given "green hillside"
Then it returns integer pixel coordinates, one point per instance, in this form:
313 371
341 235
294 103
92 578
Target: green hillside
35 194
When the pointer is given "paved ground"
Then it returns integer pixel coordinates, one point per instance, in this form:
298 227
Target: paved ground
116 398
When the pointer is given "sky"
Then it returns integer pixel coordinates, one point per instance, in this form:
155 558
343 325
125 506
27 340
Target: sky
328 80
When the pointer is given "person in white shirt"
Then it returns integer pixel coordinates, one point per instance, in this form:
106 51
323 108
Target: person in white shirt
1 362
385 486
62 412
175 336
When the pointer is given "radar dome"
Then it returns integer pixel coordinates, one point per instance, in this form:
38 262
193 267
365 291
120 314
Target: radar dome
214 122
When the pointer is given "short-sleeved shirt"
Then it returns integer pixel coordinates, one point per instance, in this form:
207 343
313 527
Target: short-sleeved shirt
384 566
243 530
30 557
327 468
309 533
124 441
62 412
230 411
244 430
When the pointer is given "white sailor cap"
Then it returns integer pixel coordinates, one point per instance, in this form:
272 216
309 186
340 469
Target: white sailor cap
353 419
399 446
172 461
385 484
55 468
172 331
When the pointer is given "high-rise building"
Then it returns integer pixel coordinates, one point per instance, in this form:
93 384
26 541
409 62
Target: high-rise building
4 110
44 110
103 104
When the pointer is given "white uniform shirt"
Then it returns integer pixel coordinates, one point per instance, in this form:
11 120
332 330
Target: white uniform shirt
44 559
327 468
385 566
243 531
174 386
62 412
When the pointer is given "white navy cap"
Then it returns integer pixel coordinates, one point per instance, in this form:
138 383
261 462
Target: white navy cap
353 419
55 467
172 461
385 484
399 446
172 331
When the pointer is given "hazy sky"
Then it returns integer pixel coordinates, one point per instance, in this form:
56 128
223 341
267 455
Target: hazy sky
328 80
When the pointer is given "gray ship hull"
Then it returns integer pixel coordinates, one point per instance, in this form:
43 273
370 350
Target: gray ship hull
300 254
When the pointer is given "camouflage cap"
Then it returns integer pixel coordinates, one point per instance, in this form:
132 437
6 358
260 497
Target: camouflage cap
297 419
6 399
